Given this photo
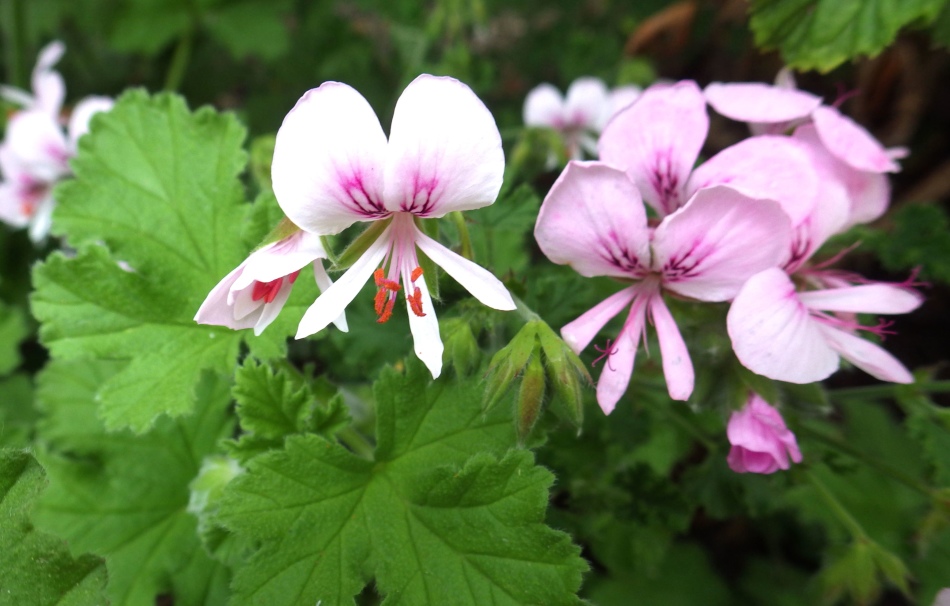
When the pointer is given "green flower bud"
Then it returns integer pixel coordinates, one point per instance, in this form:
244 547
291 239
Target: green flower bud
461 347
566 373
508 363
530 395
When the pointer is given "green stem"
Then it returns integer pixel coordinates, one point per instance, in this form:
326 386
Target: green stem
179 63
887 391
15 44
464 239
867 459
843 515
525 312
355 441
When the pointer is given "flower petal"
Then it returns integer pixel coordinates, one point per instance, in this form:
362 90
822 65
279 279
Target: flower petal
475 279
444 150
82 114
762 103
768 167
328 162
773 334
425 332
585 103
39 145
593 219
710 247
270 311
216 310
866 298
544 106
851 143
281 258
657 140
330 305
677 366
324 282
579 333
618 99
867 356
48 86
618 366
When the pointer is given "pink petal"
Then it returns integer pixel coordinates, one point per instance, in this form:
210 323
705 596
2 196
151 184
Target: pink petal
851 143
618 99
866 298
328 162
773 334
11 208
48 86
710 247
444 150
677 366
593 219
767 167
579 333
281 258
39 144
480 282
867 356
330 305
657 140
544 106
585 103
743 460
82 114
761 443
425 332
755 102
618 366
217 311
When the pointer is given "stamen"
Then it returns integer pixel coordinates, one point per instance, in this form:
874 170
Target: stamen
382 282
606 352
380 302
387 312
415 302
415 274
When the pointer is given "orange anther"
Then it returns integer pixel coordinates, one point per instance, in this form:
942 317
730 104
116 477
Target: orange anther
415 302
387 312
415 274
379 276
380 301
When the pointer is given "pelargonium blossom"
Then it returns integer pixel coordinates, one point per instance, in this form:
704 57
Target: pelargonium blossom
854 157
253 294
594 220
580 115
333 167
35 153
760 441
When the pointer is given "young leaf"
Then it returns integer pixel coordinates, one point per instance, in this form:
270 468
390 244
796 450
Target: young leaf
822 34
37 568
124 497
436 518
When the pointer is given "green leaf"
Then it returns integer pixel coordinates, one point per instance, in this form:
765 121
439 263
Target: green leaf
822 34
13 329
501 230
124 497
917 239
159 187
436 518
252 27
37 568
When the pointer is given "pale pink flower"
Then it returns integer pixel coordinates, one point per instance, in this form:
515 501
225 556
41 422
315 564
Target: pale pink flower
594 220
761 443
657 141
579 116
49 90
855 158
253 294
333 167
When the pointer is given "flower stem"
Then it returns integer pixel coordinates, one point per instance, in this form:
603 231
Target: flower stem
465 239
525 312
180 59
881 466
14 16
886 391
843 515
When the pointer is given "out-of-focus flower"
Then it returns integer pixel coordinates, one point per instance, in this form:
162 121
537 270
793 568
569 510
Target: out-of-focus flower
594 220
35 154
657 141
579 116
855 158
253 294
333 167
761 443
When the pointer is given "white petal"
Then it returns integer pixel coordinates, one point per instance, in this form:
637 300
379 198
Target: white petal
39 144
544 106
281 258
677 365
579 333
593 219
15 95
425 332
773 334
619 98
866 298
330 305
48 86
324 282
586 103
82 114
867 356
444 150
328 162
217 311
475 279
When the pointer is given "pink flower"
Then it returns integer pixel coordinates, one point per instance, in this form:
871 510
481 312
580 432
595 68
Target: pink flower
581 115
49 90
761 443
857 160
594 220
333 167
253 294
657 141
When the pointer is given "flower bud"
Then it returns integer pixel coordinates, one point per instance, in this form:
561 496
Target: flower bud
461 347
530 395
566 373
761 443
508 363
